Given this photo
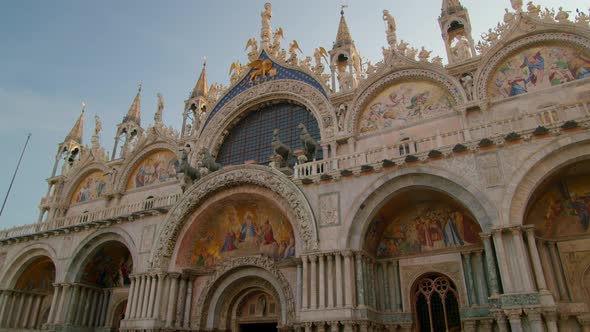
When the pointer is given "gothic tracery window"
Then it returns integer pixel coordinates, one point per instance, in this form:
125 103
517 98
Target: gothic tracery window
251 138
437 305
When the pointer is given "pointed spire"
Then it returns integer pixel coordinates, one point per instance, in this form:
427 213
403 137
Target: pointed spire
78 128
343 37
201 88
134 113
451 6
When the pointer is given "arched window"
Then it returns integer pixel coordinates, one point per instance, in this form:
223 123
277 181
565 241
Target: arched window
437 305
251 138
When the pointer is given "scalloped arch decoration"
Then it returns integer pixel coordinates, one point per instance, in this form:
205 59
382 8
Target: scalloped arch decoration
444 82
534 63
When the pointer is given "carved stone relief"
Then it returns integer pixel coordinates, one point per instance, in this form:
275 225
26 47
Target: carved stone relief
330 209
489 169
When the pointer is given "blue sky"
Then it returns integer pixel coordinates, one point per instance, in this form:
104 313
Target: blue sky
55 54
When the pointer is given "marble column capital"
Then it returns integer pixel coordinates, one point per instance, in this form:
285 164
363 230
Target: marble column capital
515 230
347 253
533 314
313 258
304 259
330 257
513 314
485 235
584 320
333 323
174 275
550 315
478 252
499 315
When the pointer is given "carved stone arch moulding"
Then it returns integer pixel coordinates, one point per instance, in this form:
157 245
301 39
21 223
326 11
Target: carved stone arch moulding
80 175
307 95
13 269
129 165
495 58
377 86
229 177
226 268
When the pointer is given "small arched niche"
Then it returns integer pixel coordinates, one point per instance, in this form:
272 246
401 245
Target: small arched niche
420 221
238 225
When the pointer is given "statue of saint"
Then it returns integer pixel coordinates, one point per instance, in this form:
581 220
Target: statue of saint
391 28
266 32
158 115
97 126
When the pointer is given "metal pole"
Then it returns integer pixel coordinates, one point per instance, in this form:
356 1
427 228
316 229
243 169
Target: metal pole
14 175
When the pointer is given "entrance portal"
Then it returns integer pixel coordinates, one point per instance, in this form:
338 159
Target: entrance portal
259 327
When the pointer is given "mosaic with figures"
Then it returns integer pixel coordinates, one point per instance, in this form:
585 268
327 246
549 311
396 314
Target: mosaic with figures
110 266
538 68
426 227
563 208
156 168
241 229
403 102
92 187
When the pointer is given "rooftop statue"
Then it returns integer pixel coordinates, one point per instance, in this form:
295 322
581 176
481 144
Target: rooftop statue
276 43
189 173
158 116
293 48
562 16
280 149
582 19
308 144
319 54
253 45
461 51
97 126
516 5
391 28
532 9
424 54
235 70
266 31
261 68
208 162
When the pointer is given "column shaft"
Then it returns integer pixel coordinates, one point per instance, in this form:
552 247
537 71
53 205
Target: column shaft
305 283
534 254
130 299
160 289
524 273
482 287
53 309
171 300
349 280
314 282
469 277
360 281
181 299
339 290
60 308
187 304
322 281
99 308
141 299
105 308
87 301
491 265
330 275
504 270
71 314
556 261
150 309
146 297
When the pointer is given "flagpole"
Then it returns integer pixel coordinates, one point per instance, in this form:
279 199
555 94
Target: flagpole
14 175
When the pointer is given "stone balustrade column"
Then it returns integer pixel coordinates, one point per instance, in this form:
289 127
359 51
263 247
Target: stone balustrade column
385 282
181 299
60 314
534 254
360 280
159 296
187 304
521 256
171 299
514 319
150 307
305 283
482 287
349 287
53 307
492 274
556 261
535 320
313 282
551 320
505 275
339 275
71 314
330 276
147 296
322 281
469 277
130 298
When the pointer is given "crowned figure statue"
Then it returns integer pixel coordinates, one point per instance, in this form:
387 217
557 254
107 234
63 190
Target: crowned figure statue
266 31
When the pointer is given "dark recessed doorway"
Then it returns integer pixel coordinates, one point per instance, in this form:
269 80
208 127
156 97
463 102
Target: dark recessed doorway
259 327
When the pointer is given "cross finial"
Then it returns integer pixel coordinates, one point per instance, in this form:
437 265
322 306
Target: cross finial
204 61
83 106
139 85
342 9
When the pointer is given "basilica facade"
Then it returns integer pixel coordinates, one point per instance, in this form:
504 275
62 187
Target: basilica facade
320 193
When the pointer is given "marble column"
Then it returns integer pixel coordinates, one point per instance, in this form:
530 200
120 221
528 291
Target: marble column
101 300
360 280
521 257
482 287
535 320
53 308
135 311
339 275
71 314
141 297
505 275
7 309
299 286
105 307
314 282
87 301
551 320
534 254
130 299
469 277
486 325
93 304
330 276
34 323
171 300
490 265
385 282
349 287
60 314
514 319
19 309
151 298
159 296
148 296
556 262
28 302
305 283
501 321
548 269
3 305
187 304
469 326
322 281
397 292
181 299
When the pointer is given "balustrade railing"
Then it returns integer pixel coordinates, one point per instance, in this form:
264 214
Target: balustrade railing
523 124
114 213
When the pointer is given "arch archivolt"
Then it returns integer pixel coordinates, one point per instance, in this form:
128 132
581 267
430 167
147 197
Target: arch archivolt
377 85
85 250
538 167
120 181
387 186
231 177
510 47
18 264
257 271
290 90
